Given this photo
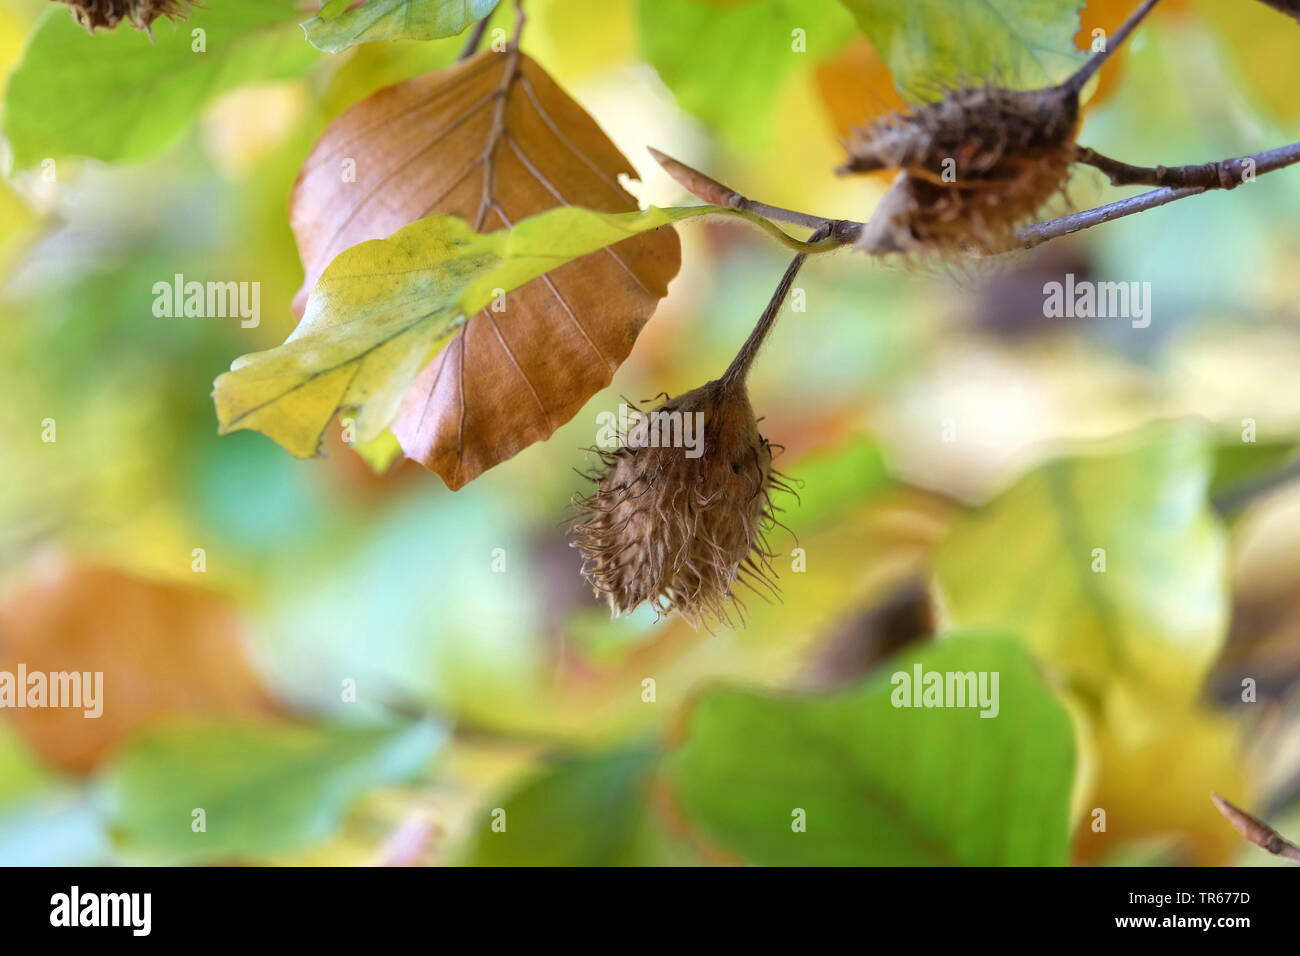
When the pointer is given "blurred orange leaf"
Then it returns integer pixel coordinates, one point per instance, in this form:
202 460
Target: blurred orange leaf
856 86
163 649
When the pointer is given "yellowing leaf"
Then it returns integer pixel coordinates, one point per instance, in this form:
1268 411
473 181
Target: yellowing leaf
1263 47
492 140
382 308
1109 563
1155 773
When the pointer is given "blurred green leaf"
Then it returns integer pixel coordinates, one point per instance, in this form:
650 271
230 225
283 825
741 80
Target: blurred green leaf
341 25
266 788
884 785
1018 43
833 481
18 220
701 49
1237 462
442 628
1155 615
383 308
20 770
587 811
118 95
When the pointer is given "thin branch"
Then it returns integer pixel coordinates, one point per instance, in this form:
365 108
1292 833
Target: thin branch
740 365
1265 162
1039 232
844 231
475 38
1257 831
1223 174
520 19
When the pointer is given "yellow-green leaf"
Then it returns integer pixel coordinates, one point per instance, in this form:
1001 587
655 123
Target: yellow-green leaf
1017 43
383 308
1109 563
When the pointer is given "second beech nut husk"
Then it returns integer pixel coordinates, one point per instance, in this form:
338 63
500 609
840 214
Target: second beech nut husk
976 164
973 167
680 532
107 14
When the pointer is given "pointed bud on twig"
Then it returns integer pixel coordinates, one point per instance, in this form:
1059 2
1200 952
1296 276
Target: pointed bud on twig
1256 831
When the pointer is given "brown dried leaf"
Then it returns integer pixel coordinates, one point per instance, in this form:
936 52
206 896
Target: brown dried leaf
492 140
163 649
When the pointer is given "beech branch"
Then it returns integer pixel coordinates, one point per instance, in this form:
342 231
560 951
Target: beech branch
475 39
1175 182
1179 182
1257 831
840 231
740 366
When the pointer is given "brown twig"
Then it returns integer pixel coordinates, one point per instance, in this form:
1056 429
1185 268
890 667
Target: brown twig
739 366
1256 831
716 194
1223 174
846 231
1265 162
474 40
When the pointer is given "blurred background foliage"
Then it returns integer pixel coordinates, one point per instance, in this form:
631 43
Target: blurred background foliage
483 691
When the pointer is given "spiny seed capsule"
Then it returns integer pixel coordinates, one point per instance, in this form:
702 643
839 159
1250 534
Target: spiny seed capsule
677 523
975 165
677 529
107 14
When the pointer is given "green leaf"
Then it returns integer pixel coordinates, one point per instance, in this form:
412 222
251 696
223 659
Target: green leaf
20 770
1018 43
265 788
587 811
116 95
336 27
834 480
382 308
883 785
1237 462
1155 616
726 63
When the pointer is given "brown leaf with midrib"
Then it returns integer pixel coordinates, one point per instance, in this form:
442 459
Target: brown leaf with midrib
491 140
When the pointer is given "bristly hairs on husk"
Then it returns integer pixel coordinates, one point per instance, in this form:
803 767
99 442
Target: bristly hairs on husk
678 532
976 164
107 14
